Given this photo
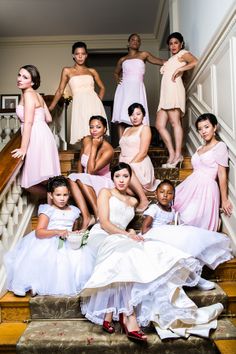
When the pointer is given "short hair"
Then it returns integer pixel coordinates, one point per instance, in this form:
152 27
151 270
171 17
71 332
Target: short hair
207 116
178 36
57 181
132 107
120 166
100 118
166 181
134 34
34 73
79 45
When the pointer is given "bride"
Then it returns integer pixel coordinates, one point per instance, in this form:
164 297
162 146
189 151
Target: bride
137 281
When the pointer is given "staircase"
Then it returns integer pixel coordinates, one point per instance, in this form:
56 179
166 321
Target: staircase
46 324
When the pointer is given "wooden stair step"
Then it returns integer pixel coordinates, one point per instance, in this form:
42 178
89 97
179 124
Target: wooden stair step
9 336
224 272
14 308
226 346
229 287
81 336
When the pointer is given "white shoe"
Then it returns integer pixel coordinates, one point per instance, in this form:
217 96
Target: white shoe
204 284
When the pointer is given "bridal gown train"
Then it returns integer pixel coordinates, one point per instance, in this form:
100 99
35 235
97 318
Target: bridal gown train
147 275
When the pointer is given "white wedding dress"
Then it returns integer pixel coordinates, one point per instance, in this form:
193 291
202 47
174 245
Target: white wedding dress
147 276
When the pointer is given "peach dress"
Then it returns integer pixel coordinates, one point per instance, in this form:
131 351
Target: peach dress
85 104
130 146
172 92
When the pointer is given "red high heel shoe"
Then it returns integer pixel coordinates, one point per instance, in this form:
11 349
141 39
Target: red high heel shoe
108 327
137 336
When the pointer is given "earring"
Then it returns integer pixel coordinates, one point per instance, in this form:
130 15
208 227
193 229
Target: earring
32 84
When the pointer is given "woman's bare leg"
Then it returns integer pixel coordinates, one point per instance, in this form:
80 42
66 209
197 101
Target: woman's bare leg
80 202
161 123
175 121
121 129
90 196
137 188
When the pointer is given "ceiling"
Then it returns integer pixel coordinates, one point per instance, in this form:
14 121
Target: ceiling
23 18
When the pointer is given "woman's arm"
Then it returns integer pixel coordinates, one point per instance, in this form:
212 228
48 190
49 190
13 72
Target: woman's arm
145 140
147 224
191 63
118 71
59 92
42 232
29 110
47 113
152 59
99 82
96 164
104 217
225 203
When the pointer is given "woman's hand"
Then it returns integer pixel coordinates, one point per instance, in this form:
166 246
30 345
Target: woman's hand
62 234
227 207
97 142
133 236
18 153
178 72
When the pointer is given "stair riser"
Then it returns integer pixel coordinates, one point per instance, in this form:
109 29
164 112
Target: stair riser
15 313
65 308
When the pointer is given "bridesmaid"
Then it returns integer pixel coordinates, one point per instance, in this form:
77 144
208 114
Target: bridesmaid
37 137
172 97
134 145
93 168
86 102
199 196
129 73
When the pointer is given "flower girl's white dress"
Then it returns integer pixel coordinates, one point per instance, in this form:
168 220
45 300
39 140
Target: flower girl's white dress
40 265
147 275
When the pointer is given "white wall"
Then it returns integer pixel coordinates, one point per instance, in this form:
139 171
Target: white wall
51 54
198 21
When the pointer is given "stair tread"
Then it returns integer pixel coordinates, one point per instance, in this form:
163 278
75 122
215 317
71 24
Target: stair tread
9 298
11 332
226 346
88 337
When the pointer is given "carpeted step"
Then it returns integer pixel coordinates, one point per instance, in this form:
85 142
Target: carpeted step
65 307
81 336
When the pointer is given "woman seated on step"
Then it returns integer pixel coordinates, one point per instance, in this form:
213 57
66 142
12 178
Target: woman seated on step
209 247
134 145
93 170
199 197
136 280
42 261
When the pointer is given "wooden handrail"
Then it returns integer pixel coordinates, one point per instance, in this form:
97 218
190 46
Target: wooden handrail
8 165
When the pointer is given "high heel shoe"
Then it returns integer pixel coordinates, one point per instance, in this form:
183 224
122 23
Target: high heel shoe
177 163
137 336
108 327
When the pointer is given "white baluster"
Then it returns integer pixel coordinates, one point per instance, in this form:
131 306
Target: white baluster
7 130
4 212
10 202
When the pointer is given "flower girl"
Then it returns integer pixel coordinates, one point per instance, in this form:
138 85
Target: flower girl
43 262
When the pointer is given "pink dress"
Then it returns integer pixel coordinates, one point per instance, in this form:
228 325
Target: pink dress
130 90
130 146
97 182
198 197
172 92
42 159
